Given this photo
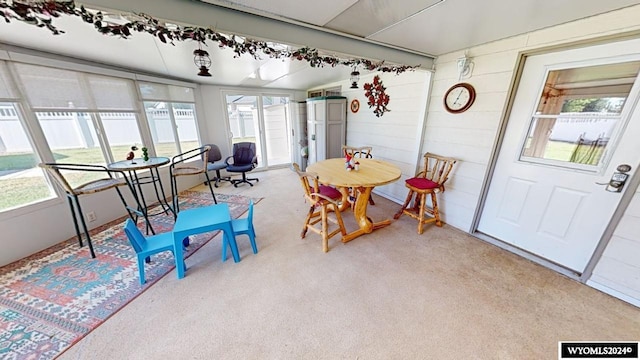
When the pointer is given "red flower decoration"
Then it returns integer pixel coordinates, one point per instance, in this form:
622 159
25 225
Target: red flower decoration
376 96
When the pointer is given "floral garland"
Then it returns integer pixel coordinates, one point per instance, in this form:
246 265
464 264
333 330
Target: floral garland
375 93
41 14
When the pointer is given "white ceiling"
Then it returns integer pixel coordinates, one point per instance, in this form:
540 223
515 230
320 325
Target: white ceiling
433 27
429 27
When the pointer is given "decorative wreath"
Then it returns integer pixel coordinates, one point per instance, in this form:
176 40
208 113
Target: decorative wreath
376 96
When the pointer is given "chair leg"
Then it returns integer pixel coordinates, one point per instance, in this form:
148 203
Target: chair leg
210 188
225 243
306 222
174 195
404 206
423 201
220 178
75 220
343 230
325 230
252 238
244 179
436 213
84 226
141 269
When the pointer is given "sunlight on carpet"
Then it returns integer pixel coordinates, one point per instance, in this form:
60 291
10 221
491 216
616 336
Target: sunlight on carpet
52 299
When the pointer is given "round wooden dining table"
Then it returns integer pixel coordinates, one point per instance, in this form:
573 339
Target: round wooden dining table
371 173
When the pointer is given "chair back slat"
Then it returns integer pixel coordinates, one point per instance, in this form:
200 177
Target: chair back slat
134 235
437 168
357 152
310 184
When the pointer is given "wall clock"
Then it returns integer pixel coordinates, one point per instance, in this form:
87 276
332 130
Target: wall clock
459 98
355 105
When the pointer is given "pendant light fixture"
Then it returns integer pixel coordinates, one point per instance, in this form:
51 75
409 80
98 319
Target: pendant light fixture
202 60
355 76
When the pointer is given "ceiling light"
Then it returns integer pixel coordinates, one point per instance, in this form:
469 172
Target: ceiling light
355 76
202 60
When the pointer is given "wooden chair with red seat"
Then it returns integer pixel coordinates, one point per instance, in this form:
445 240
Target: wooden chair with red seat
362 152
322 199
429 181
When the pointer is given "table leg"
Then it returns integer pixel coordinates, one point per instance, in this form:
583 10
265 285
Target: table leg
144 210
360 213
179 255
161 199
345 198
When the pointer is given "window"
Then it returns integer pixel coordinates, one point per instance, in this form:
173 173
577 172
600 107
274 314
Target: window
577 115
334 91
171 117
22 182
85 118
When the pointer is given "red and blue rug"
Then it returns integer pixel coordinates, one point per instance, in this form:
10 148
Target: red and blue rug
52 299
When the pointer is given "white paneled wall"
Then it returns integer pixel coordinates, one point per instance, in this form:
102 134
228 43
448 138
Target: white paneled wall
470 136
619 266
395 136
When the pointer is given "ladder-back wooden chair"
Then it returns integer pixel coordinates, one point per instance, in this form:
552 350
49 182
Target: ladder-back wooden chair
429 181
357 152
322 200
362 152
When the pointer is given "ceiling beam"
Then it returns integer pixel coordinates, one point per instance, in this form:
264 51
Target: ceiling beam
231 21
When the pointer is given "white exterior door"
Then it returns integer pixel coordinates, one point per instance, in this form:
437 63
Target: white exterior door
574 120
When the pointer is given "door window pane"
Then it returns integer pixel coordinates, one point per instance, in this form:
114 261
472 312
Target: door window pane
243 117
21 180
578 113
275 110
244 122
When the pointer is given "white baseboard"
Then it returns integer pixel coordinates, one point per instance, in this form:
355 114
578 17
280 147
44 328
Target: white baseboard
615 293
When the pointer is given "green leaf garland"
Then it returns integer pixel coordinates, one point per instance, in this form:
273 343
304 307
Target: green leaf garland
42 13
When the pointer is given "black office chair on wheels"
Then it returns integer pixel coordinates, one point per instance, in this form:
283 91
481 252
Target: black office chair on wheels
215 155
180 167
243 160
107 182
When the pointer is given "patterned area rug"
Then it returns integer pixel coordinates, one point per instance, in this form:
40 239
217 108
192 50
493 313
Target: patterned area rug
52 299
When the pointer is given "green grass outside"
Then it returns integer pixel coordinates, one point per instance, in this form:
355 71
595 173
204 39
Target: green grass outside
23 190
563 151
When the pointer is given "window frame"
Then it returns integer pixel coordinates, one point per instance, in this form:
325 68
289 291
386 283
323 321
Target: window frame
623 118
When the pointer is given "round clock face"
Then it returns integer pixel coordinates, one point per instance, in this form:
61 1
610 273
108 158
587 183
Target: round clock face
459 98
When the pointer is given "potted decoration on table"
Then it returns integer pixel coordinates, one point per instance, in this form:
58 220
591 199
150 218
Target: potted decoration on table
145 154
131 155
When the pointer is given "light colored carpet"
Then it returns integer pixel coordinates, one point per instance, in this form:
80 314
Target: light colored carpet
392 294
